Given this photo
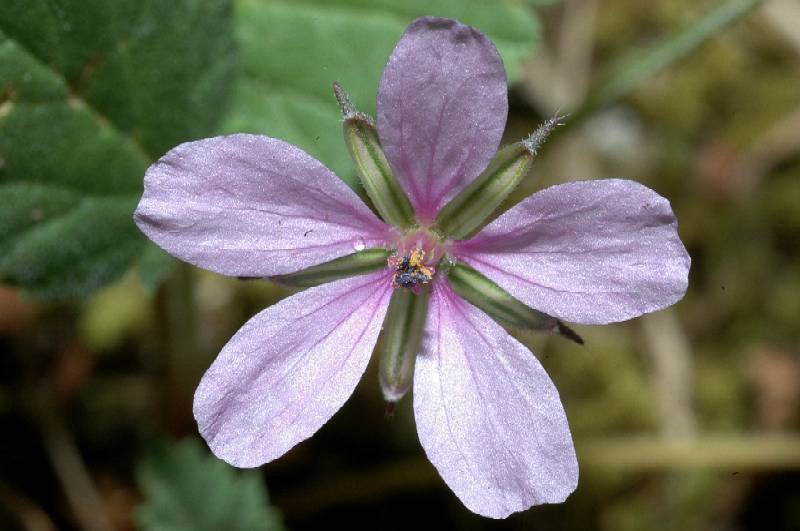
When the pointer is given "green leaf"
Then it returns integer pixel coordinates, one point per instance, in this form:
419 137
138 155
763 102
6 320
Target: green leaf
86 244
91 92
292 51
187 490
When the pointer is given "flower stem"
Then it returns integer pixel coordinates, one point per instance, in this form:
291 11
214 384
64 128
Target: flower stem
178 340
75 479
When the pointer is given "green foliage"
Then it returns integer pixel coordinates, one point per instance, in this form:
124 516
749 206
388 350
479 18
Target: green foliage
287 92
187 490
91 92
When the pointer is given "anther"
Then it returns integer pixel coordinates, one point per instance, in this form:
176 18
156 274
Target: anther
410 271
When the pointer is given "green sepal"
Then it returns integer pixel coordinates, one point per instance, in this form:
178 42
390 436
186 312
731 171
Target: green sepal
465 214
500 305
351 265
361 138
402 337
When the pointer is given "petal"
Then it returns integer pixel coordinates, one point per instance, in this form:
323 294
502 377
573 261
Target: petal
289 369
488 416
442 105
587 252
249 205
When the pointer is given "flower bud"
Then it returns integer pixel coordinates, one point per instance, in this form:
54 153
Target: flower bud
358 263
402 337
501 305
467 211
373 168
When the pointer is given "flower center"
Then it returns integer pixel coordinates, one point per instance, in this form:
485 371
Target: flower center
414 262
410 270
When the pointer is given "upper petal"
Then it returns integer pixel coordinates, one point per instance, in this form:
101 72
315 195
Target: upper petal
442 105
289 369
249 205
488 416
588 252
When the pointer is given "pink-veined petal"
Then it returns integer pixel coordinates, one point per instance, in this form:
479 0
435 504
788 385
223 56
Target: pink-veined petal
488 416
587 252
442 106
249 205
289 369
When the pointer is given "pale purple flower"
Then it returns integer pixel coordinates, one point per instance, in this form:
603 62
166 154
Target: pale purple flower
487 414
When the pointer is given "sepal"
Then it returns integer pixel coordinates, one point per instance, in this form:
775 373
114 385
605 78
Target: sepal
402 337
376 175
466 213
351 265
501 306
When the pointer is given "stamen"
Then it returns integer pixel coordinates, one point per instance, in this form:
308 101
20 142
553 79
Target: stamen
410 271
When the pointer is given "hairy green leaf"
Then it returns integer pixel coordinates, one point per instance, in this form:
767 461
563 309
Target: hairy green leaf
91 92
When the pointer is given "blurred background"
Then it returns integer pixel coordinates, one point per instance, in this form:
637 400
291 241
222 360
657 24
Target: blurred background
685 419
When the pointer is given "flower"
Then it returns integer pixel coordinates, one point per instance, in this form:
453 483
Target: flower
487 414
